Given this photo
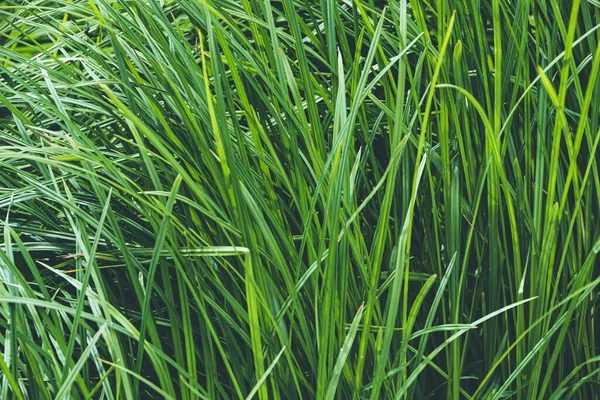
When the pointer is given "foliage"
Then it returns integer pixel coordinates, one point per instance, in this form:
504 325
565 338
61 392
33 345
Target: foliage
299 199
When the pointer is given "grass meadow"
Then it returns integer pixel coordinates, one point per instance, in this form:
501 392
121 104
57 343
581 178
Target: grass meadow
299 199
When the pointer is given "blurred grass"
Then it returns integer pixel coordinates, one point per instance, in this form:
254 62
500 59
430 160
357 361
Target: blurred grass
286 199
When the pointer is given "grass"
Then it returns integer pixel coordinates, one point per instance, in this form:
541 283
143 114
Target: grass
282 199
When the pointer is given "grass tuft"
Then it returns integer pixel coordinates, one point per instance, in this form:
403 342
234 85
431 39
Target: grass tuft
282 199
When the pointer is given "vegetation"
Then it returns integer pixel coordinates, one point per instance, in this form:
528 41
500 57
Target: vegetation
206 199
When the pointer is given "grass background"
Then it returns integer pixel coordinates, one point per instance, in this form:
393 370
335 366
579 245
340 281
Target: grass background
299 199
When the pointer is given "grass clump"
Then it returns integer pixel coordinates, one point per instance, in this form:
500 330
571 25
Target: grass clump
285 199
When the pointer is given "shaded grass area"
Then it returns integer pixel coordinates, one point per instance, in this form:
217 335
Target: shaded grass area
299 199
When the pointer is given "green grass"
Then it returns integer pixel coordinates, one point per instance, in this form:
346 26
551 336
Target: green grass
209 199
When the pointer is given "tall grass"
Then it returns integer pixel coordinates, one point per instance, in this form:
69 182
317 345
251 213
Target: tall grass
209 199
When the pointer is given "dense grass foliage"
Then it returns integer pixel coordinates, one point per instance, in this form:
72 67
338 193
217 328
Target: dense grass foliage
286 199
